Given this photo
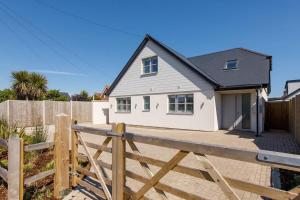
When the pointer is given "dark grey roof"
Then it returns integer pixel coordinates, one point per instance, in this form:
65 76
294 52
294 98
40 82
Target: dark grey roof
253 68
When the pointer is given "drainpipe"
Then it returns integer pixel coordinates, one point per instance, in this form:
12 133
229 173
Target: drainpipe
257 108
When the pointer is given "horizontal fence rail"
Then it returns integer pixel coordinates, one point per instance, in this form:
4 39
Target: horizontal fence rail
200 150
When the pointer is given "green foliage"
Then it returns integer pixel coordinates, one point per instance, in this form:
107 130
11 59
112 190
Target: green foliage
28 167
6 130
29 86
82 96
4 163
39 135
56 95
7 94
49 166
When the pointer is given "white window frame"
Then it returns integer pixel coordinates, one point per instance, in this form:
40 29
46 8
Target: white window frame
127 105
177 111
144 108
229 61
150 65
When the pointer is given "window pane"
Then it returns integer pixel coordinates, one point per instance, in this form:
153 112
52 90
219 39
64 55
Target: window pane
231 64
172 99
146 69
146 106
154 68
128 100
128 108
181 107
189 99
181 99
190 108
154 60
172 107
118 108
146 99
146 62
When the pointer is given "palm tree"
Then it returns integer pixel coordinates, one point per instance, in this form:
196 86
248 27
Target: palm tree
21 84
27 85
38 86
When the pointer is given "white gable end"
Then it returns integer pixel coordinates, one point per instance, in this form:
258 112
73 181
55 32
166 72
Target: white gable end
172 76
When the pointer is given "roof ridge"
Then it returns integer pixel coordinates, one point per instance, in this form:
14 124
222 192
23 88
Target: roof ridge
241 48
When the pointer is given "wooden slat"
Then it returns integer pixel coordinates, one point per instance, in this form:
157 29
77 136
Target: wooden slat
3 143
215 150
3 174
97 171
32 179
99 147
218 178
91 130
74 157
146 169
91 188
161 186
161 173
39 146
104 164
91 174
239 184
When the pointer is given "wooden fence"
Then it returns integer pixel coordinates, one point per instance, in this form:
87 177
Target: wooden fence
294 117
34 113
119 137
14 176
277 115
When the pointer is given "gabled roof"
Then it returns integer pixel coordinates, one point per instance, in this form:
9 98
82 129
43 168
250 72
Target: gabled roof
253 71
177 55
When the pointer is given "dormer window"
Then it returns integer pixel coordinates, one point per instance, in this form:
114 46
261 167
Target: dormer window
231 64
150 65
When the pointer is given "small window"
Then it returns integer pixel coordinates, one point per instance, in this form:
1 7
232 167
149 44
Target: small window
150 65
124 104
146 103
181 103
231 64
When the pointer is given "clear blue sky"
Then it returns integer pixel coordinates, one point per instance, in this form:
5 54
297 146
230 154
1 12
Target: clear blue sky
75 53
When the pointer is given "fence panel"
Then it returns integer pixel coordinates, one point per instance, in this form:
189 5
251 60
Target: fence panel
25 113
82 111
53 108
277 115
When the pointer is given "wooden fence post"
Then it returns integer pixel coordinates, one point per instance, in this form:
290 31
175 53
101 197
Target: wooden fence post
118 162
74 158
61 154
15 168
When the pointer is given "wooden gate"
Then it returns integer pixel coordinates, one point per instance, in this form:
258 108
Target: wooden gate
277 115
152 179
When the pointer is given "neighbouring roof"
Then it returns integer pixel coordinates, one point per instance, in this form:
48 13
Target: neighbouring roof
253 67
291 81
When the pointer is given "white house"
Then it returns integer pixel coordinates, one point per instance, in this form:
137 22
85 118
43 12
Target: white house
159 87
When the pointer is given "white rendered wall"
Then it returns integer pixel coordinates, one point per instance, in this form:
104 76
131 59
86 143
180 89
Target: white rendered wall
100 112
203 117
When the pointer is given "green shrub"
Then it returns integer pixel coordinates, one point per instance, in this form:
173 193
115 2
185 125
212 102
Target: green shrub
39 135
6 130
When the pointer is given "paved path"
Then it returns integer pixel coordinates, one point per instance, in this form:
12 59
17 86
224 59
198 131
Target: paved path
282 142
